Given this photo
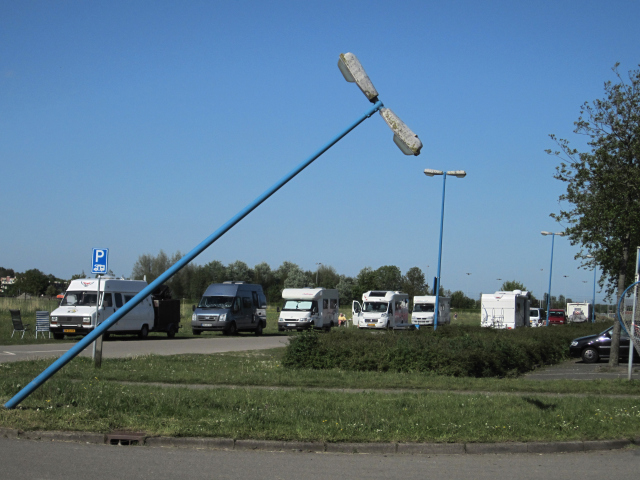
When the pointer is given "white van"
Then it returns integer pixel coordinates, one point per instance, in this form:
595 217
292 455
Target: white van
425 306
309 308
579 312
77 314
507 310
381 309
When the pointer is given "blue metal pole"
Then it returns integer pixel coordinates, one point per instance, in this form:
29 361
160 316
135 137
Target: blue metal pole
593 312
435 314
88 339
553 237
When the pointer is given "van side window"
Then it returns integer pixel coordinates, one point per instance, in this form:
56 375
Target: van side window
118 299
263 300
127 298
334 303
255 299
325 303
246 302
106 300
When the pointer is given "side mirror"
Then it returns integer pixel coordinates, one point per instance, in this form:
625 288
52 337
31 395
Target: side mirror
277 309
193 308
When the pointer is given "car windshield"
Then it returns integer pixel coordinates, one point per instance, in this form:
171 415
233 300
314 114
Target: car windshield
378 307
79 299
216 301
556 314
423 307
533 313
298 305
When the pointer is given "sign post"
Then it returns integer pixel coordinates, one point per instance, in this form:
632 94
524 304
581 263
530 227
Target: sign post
99 263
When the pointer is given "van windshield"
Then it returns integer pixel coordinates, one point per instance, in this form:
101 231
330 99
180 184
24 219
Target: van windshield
305 305
423 307
79 299
216 301
556 314
379 307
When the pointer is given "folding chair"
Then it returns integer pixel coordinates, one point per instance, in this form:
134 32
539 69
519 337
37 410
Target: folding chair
18 326
42 323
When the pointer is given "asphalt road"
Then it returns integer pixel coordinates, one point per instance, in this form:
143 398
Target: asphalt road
126 347
35 460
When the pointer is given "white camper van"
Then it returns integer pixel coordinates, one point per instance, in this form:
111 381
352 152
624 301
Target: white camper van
505 310
77 313
579 312
425 306
381 309
309 308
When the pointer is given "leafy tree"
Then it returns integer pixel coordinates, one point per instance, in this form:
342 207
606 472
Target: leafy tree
7 272
150 267
33 282
345 290
297 278
389 277
511 285
460 300
603 186
366 280
51 291
413 283
78 276
239 271
327 276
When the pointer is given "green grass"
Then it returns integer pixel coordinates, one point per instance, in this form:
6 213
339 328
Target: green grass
439 409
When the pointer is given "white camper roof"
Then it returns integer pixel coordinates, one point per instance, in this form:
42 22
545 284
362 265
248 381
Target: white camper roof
307 293
382 295
427 299
107 285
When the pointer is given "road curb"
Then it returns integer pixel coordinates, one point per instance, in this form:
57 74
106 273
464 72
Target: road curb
344 447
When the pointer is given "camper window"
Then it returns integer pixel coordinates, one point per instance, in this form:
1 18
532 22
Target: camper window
255 299
378 307
325 303
236 305
246 303
77 299
334 303
118 299
293 305
215 301
107 301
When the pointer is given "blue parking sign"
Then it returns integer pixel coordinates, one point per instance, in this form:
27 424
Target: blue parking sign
99 260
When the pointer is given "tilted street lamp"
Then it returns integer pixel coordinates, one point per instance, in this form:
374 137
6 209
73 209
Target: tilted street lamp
403 137
553 237
430 173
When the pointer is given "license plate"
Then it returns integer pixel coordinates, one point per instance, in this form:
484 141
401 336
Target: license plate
291 325
69 330
207 325
371 324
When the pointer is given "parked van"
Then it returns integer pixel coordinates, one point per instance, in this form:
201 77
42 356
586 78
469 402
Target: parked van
537 317
78 315
309 308
230 307
505 310
381 309
425 306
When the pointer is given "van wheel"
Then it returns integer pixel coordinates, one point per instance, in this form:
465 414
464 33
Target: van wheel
171 333
105 336
196 332
259 329
233 329
144 331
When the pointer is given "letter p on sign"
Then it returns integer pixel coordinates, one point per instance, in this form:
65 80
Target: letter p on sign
99 260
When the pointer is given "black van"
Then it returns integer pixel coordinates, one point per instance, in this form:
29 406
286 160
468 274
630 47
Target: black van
230 307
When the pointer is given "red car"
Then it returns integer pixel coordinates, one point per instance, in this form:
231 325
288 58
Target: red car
557 316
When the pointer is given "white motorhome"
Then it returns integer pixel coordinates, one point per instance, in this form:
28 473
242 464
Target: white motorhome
309 308
425 306
381 309
77 313
579 312
505 310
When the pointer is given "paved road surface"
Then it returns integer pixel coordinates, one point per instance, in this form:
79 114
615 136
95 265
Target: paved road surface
576 369
33 460
157 345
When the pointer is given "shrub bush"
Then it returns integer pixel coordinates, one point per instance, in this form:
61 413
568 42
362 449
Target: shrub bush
458 350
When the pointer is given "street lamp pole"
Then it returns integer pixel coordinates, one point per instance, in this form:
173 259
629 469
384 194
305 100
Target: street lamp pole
553 237
317 269
595 268
430 173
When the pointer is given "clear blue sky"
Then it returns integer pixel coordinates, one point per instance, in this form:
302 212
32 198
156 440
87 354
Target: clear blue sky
140 126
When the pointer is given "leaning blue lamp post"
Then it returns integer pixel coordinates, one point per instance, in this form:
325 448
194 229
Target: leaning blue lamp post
553 237
430 173
403 137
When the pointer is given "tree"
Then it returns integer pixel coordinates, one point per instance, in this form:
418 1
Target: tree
345 290
389 277
413 283
33 282
297 278
460 300
327 277
366 280
603 186
511 285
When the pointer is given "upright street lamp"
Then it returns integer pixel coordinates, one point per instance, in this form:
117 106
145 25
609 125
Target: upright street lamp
553 237
403 137
593 310
430 173
317 268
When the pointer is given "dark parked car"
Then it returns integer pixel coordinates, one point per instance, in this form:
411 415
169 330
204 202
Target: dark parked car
594 347
557 316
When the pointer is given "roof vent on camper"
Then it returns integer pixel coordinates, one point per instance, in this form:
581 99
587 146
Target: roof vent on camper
233 283
377 294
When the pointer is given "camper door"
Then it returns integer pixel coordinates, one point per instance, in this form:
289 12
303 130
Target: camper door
356 311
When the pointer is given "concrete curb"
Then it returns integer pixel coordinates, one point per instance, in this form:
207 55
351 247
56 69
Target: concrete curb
347 447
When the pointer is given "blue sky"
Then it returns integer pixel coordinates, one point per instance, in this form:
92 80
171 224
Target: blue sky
140 126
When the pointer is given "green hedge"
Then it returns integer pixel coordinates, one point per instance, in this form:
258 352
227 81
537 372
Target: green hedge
460 351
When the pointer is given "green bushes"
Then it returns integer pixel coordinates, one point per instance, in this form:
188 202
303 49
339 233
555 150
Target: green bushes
460 351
